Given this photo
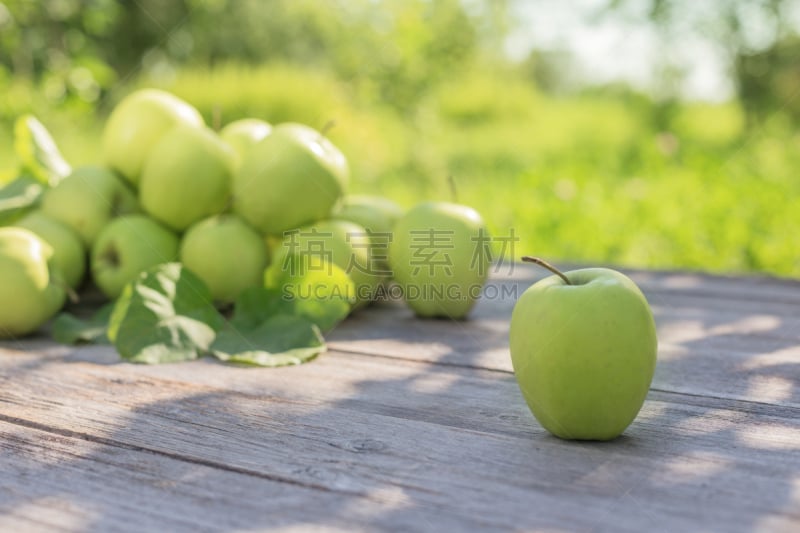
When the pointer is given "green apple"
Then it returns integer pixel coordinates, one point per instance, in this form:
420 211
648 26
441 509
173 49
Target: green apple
273 243
243 134
69 254
87 200
32 289
338 242
375 213
291 178
187 177
440 257
128 246
378 216
226 253
583 346
137 124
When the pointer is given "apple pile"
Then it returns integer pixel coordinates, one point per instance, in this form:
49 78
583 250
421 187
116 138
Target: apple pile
180 213
183 222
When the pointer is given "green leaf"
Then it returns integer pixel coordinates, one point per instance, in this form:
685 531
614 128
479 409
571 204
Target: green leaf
268 328
18 198
318 290
256 305
164 316
69 329
279 341
38 152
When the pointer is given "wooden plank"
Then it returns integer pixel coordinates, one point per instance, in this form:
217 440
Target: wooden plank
775 296
725 353
751 287
706 346
456 441
56 482
729 355
741 332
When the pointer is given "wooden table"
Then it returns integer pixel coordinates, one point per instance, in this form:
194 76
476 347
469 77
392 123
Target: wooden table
413 425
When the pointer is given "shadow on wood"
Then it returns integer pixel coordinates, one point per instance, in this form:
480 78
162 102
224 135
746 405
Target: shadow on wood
410 425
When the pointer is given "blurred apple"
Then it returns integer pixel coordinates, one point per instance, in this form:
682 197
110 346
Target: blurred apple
137 124
292 177
128 246
187 177
243 134
226 253
32 289
378 216
439 257
338 242
69 254
375 213
87 200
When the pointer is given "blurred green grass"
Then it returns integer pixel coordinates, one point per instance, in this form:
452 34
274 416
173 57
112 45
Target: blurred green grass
595 178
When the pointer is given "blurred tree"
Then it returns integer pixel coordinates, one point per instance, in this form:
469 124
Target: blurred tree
770 80
143 27
551 70
58 43
759 39
394 50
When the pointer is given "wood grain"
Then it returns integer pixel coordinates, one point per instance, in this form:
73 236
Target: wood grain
739 348
442 437
415 426
53 482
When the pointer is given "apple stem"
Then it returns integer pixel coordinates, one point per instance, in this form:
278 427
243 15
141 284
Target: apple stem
451 182
548 266
71 294
216 117
327 127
